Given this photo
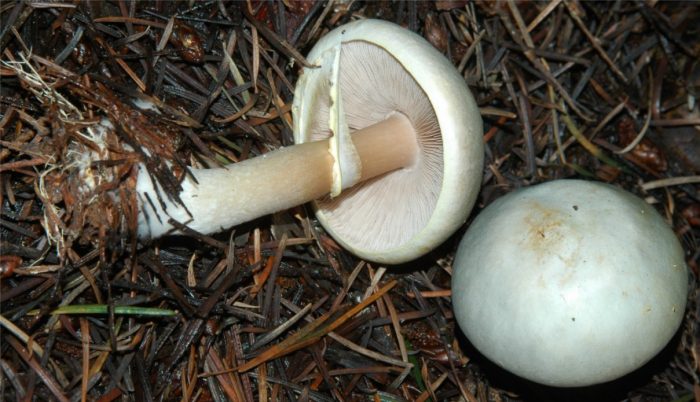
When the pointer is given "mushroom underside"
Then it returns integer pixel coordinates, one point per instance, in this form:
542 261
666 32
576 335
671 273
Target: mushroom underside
384 212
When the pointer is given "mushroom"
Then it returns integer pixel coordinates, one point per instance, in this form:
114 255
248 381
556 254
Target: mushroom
389 144
569 283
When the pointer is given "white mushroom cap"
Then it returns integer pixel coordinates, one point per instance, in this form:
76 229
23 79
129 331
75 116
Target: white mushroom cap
569 283
384 69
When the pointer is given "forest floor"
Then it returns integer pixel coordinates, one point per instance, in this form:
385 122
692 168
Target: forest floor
275 309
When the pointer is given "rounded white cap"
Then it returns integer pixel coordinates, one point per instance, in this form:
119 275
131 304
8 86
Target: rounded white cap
569 283
380 69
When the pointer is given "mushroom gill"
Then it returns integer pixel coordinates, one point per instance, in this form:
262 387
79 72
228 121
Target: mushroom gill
387 211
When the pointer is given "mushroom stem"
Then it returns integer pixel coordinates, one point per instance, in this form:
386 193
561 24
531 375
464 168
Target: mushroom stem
224 197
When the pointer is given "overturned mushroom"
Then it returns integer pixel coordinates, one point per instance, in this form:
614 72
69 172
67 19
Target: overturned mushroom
385 125
569 283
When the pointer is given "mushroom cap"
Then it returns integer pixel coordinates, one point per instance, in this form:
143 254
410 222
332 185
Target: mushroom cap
569 283
385 69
